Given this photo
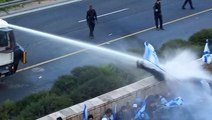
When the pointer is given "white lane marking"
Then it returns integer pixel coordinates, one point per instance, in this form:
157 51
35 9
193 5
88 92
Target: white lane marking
110 41
110 13
41 8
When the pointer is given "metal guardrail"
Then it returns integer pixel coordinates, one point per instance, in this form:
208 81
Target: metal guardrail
14 3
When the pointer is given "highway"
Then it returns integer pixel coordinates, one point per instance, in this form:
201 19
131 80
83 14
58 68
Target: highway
122 25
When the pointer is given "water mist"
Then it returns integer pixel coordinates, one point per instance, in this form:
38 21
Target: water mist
186 82
181 69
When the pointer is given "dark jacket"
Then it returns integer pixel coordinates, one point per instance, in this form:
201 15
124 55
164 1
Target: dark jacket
91 16
124 114
157 9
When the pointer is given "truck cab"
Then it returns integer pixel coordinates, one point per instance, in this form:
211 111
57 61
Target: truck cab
11 53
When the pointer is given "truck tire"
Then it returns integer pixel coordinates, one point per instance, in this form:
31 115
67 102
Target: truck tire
15 67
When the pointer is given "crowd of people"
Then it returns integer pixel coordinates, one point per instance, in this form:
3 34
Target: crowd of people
153 107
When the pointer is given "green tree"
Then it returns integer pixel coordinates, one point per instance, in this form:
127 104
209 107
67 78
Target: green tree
45 105
64 84
199 38
6 109
81 84
108 78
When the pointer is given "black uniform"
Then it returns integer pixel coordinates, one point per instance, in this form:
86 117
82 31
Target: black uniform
158 15
190 3
91 17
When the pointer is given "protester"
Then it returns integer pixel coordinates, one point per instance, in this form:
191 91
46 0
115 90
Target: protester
128 105
142 114
108 115
152 104
134 110
59 118
138 101
90 117
124 114
153 107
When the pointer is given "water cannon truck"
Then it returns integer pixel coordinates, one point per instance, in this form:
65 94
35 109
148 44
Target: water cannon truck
11 53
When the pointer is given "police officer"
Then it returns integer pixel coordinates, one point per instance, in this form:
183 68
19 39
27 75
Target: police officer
91 17
190 3
158 14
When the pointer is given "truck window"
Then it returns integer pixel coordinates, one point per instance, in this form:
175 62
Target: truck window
3 39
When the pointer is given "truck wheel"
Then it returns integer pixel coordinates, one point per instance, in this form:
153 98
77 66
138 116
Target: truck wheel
15 68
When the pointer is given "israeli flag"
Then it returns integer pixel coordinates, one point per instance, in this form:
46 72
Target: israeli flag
141 113
163 100
115 112
174 103
150 54
206 54
85 113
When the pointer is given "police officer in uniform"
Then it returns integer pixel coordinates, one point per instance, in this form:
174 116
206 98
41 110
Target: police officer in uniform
91 17
158 14
190 3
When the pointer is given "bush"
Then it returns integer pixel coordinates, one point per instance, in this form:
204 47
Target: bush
90 81
1 1
83 83
108 78
64 85
45 105
6 109
171 48
174 44
196 43
200 37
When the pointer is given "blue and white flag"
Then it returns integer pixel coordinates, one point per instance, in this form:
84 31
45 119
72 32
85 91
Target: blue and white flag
206 54
163 100
141 113
150 54
174 103
115 112
85 113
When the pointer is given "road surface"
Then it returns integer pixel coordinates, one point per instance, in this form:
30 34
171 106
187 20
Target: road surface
122 25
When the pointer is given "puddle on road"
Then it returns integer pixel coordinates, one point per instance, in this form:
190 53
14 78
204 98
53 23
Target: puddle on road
38 69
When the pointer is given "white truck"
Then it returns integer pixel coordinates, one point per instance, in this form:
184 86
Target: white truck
10 51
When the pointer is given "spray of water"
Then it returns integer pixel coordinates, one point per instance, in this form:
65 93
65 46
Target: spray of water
197 98
180 67
87 46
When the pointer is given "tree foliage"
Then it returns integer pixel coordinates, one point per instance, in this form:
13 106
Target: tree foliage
81 84
196 43
199 38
